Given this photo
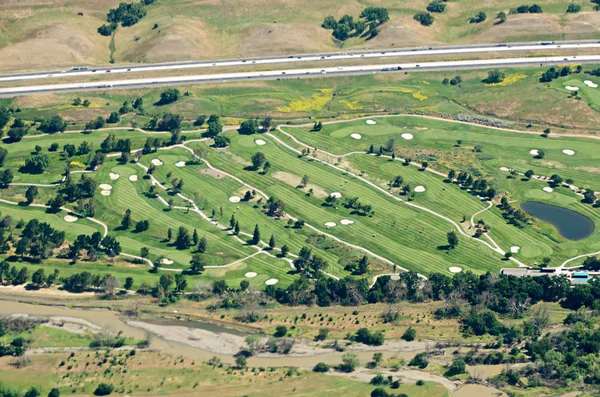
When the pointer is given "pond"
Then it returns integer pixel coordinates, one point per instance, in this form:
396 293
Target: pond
570 224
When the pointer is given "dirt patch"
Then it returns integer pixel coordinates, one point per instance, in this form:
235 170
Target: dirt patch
593 170
552 164
213 173
294 181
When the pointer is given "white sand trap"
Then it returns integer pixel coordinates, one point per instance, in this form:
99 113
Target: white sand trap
336 194
133 178
105 186
571 88
260 142
407 136
548 189
590 84
371 122
271 281
105 192
355 136
114 177
180 164
251 274
346 221
330 224
568 152
534 152
70 218
234 199
165 261
157 162
419 189
455 269
504 169
515 249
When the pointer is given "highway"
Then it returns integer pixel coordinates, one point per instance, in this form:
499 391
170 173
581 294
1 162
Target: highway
297 73
350 55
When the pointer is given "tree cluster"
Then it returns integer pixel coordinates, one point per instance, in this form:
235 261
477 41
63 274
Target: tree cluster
366 26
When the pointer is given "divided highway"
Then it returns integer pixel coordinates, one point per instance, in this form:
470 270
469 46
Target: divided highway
82 70
296 73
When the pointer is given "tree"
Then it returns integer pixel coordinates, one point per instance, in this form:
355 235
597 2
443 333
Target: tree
284 251
110 284
36 164
272 242
478 18
494 76
196 264
436 6
280 331
182 241
457 367
266 123
170 95
30 194
113 118
202 245
180 283
420 361
241 362
38 278
3 155
452 239
128 283
349 362
248 127
200 121
221 141
321 367
304 181
255 236
424 18
528 174
126 221
55 392
258 159
6 178
410 334
501 17
103 389
55 124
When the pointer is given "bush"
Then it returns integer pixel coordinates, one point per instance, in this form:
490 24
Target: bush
457 367
436 6
478 18
410 334
573 8
424 18
103 389
420 361
321 367
169 96
280 331
55 124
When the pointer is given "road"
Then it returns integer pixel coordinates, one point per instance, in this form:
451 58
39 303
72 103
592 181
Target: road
297 73
351 55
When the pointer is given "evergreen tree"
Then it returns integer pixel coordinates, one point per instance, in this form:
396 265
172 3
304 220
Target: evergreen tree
256 235
272 242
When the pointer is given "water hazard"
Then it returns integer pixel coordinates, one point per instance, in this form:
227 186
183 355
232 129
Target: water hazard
570 224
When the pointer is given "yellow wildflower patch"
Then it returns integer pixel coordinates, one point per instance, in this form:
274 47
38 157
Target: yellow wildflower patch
71 106
312 104
76 164
508 80
354 105
420 95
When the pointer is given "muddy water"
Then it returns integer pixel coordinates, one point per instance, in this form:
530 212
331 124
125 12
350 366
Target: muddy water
478 391
112 321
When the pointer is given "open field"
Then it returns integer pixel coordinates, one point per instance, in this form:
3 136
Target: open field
35 31
523 101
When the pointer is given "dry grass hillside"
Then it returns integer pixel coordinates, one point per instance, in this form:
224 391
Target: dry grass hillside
38 34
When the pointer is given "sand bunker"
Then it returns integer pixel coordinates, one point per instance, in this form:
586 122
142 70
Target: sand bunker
355 136
534 152
213 173
165 261
346 221
234 199
568 152
419 189
133 178
251 274
330 224
70 218
271 281
336 194
180 164
504 169
548 189
157 162
260 142
515 249
407 136
105 192
371 122
590 84
105 186
455 269
571 88
114 177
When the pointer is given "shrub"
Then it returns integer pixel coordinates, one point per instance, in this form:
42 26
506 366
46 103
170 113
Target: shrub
436 6
321 367
410 334
424 18
103 389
